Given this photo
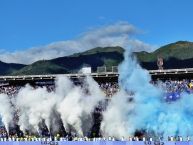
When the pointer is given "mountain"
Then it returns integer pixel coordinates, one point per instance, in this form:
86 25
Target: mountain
8 68
40 67
108 56
175 55
180 50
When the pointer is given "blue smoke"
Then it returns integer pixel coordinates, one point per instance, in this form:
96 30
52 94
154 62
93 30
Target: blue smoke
151 112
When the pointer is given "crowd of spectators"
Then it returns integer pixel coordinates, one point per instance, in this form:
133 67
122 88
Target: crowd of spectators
173 90
109 88
2 132
11 91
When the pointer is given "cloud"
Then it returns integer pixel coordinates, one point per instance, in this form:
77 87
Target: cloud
117 34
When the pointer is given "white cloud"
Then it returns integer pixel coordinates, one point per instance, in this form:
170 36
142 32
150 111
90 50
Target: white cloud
118 34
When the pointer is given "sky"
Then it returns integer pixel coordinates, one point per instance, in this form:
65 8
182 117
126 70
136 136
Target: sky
30 28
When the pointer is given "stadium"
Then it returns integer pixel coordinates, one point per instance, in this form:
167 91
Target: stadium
102 72
80 107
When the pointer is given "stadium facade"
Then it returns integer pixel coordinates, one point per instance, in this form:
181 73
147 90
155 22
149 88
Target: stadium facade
165 74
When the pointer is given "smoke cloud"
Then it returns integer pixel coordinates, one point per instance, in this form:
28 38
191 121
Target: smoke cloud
35 105
78 106
148 110
74 103
6 111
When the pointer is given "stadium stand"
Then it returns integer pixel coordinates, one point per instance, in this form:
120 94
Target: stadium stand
10 85
173 89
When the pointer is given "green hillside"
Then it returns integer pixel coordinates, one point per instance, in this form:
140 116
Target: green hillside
8 68
180 50
41 67
100 50
108 56
176 55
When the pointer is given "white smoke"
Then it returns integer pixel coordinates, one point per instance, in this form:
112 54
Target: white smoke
63 86
75 105
78 105
34 106
115 122
6 111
